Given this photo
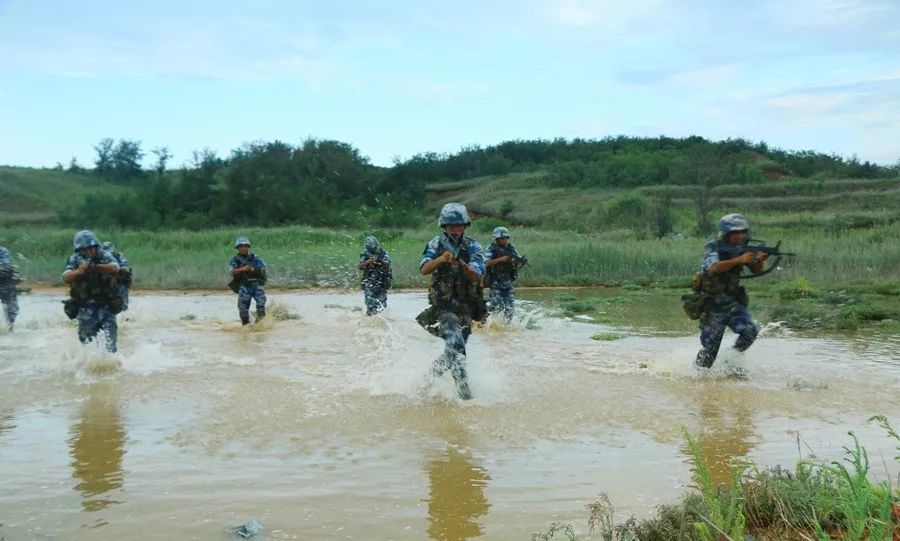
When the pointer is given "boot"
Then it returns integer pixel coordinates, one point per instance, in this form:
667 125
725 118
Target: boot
245 320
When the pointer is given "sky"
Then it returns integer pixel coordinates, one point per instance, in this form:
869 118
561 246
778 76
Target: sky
396 78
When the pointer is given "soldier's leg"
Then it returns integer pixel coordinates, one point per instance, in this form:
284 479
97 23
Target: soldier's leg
428 319
371 300
123 291
259 295
10 301
458 368
243 304
88 323
381 299
712 328
509 299
744 325
110 327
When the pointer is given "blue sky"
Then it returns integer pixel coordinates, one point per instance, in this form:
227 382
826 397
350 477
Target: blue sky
395 78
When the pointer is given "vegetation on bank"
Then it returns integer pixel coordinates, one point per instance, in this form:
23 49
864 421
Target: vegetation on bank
331 183
817 501
301 256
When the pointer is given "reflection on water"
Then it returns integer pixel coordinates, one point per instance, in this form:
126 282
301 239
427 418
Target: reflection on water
6 422
97 447
726 433
319 427
456 491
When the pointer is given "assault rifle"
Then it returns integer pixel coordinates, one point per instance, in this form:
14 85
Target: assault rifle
448 246
517 260
754 246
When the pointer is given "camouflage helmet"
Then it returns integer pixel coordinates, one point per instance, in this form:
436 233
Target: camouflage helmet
500 232
84 239
108 246
371 244
240 241
732 222
454 214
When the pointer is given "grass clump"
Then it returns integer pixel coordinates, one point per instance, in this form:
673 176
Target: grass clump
818 501
607 336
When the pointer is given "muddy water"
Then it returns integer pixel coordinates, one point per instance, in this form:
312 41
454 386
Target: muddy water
326 426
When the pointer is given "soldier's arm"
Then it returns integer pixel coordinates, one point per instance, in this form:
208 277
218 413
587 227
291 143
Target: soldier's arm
72 271
430 266
474 270
727 264
498 260
107 268
757 266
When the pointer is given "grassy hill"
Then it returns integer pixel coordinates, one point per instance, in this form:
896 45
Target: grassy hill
36 196
525 199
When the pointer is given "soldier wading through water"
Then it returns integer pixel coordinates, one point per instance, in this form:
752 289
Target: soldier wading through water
456 265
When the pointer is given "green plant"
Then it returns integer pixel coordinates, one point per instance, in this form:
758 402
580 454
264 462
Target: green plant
607 336
725 511
556 527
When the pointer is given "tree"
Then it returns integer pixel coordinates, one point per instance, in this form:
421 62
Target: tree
103 165
162 158
74 166
127 160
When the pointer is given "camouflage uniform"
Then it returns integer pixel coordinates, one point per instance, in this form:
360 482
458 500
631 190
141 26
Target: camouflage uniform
9 277
726 305
502 276
123 281
251 286
95 294
377 277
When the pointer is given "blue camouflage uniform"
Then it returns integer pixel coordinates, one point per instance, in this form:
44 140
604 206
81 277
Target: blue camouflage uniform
94 313
251 286
454 302
501 280
726 307
123 285
9 277
376 279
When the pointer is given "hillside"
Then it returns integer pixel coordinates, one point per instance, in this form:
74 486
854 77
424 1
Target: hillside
526 199
34 196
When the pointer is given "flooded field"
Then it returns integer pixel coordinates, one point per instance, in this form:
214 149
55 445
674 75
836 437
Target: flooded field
326 426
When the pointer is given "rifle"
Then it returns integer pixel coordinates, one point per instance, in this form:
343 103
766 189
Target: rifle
517 260
449 247
754 246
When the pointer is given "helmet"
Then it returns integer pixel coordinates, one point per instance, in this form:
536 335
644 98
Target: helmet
371 244
240 241
84 239
500 232
454 214
732 222
108 247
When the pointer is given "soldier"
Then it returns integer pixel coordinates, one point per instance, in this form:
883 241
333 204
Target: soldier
726 304
249 273
123 280
455 297
503 265
376 266
9 278
94 297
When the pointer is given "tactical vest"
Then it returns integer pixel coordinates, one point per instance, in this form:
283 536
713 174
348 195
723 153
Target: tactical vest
379 276
501 271
451 290
98 287
258 274
727 283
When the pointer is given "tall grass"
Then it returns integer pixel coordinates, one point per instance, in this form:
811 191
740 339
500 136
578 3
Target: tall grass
301 256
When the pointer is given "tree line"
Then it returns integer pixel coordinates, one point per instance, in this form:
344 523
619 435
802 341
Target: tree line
327 182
